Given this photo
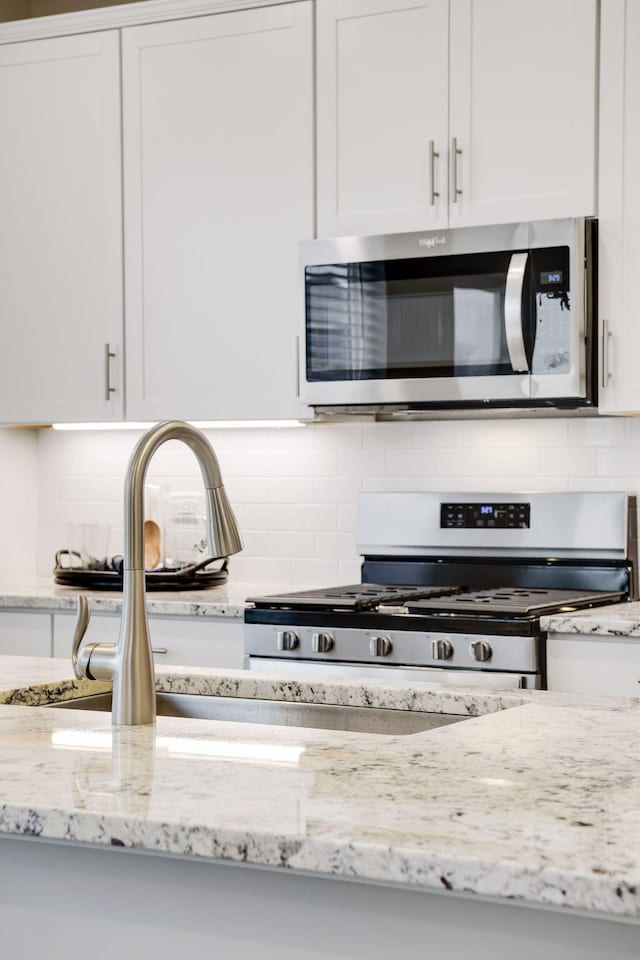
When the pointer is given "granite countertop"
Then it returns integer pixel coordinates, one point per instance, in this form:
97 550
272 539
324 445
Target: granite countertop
228 600
533 799
614 620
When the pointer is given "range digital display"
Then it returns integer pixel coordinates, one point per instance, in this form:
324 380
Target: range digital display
485 516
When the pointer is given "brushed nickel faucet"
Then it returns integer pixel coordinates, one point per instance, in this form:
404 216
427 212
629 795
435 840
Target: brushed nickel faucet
129 662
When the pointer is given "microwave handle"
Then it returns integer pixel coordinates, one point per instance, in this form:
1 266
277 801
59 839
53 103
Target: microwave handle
513 312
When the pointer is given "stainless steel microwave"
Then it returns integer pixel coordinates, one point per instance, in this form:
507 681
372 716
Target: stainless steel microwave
498 316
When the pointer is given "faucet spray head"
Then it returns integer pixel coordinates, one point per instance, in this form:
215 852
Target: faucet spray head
222 526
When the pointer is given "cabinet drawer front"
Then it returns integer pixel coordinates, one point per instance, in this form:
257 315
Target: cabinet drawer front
175 640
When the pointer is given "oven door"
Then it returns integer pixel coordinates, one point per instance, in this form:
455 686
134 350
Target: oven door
488 680
430 318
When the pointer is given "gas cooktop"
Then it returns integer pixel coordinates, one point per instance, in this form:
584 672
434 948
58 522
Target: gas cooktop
355 597
427 600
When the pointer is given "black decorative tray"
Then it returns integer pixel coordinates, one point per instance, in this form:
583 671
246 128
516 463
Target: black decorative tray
107 575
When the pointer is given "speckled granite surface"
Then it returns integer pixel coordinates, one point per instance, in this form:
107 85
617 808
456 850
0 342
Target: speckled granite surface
32 681
617 620
224 601
535 800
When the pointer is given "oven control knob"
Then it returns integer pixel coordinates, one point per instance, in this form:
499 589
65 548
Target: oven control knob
481 650
287 640
321 642
441 649
380 646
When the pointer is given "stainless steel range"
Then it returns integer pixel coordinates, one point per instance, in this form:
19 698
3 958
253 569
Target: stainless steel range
453 588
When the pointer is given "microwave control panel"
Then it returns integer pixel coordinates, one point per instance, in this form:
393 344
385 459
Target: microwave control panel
485 516
552 310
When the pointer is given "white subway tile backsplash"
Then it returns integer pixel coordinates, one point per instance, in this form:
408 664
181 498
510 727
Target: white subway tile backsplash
264 516
574 461
315 573
290 544
346 518
487 462
288 490
615 462
599 432
337 489
335 546
295 490
315 516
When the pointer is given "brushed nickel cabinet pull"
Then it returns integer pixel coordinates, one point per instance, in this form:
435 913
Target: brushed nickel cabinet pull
109 355
455 153
606 342
159 650
433 155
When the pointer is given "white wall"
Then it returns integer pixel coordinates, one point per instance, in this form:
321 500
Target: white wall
294 490
18 505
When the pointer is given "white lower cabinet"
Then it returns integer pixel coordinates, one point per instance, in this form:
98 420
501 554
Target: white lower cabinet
25 634
204 642
579 663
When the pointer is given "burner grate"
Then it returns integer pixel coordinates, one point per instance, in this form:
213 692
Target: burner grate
355 597
517 602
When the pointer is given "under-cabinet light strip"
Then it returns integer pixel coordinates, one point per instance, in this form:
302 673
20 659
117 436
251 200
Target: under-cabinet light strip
201 424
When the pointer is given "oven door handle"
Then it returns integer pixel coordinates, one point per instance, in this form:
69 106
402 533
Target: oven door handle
513 325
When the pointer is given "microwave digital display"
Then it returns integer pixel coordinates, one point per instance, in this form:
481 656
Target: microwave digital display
551 276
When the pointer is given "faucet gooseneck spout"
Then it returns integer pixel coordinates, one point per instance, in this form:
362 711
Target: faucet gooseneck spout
129 662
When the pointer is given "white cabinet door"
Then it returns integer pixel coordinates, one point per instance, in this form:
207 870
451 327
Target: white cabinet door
175 640
25 634
591 664
619 207
382 102
505 89
60 229
523 109
218 156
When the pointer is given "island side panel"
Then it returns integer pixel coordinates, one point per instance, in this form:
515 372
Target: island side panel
67 901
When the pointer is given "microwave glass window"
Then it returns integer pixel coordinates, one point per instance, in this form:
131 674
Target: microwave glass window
425 317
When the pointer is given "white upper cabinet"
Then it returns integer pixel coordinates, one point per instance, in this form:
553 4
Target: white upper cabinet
218 160
523 110
382 78
619 207
504 89
60 230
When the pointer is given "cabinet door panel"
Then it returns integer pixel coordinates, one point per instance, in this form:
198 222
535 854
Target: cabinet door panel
523 109
25 634
218 129
382 96
60 229
619 207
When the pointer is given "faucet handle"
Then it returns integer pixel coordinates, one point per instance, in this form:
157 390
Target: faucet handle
82 622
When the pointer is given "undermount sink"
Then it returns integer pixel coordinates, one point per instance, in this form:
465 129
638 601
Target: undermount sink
281 713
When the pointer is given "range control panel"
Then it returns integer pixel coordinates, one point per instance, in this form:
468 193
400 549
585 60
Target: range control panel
474 516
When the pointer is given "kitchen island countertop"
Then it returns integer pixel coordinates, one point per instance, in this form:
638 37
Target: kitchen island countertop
532 800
